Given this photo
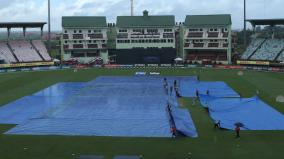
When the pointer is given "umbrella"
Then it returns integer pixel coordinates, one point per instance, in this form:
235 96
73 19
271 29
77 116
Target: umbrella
56 60
178 59
239 124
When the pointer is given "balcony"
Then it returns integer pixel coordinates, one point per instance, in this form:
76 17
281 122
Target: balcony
96 36
198 45
225 34
92 46
65 36
168 35
78 46
213 44
65 47
213 34
186 44
195 34
122 36
78 36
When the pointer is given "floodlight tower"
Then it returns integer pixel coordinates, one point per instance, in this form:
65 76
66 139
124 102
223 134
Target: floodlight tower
245 24
132 7
49 28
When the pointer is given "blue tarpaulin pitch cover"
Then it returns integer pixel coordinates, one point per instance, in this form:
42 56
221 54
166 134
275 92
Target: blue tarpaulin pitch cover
107 106
217 89
183 122
253 113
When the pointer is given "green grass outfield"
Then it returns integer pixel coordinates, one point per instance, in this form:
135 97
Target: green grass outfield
210 144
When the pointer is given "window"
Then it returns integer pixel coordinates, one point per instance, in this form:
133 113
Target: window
75 31
138 30
152 30
97 31
65 42
168 30
80 41
200 29
75 41
80 31
193 30
89 31
65 31
123 30
215 29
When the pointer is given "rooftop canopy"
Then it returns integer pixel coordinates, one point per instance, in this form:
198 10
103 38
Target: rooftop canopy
84 22
271 22
146 21
22 24
208 20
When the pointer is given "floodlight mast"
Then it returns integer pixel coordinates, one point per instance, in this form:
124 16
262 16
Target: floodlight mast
245 24
49 28
132 7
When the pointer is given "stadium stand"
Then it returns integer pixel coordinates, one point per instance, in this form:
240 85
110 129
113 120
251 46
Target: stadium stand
6 54
24 51
281 56
269 50
255 44
40 47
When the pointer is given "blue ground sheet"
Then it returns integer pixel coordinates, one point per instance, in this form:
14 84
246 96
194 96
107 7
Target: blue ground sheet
107 106
253 113
217 89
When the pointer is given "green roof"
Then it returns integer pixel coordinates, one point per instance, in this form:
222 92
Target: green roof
146 21
83 21
207 20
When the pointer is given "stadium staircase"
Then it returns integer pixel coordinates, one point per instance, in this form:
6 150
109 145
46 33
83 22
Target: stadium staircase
37 51
279 54
257 49
13 52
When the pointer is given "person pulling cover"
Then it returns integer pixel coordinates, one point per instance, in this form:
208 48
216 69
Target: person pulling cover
217 124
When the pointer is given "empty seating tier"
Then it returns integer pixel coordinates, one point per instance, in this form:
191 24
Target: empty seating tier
6 54
38 44
24 51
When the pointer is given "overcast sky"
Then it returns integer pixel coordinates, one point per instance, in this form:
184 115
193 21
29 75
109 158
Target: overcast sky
36 10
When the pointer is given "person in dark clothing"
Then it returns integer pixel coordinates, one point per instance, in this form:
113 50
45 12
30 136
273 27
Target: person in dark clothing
237 130
217 124
174 132
175 83
197 93
207 92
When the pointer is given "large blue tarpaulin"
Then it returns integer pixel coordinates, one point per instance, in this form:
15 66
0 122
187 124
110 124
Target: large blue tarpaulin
183 122
253 113
106 106
217 89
